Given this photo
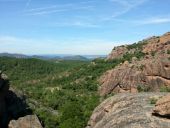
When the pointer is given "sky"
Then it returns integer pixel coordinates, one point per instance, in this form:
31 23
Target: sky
81 27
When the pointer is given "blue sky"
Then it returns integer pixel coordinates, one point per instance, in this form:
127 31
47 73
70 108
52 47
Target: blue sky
78 26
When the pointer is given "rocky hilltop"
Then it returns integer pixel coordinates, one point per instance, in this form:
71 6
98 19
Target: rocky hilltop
127 110
145 68
151 72
13 108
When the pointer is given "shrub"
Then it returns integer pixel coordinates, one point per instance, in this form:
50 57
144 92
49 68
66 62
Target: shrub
153 53
153 100
138 45
168 52
165 89
143 88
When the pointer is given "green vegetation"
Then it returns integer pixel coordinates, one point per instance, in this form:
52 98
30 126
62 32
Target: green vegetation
59 93
168 52
143 88
153 53
153 100
165 89
62 93
49 90
138 45
129 56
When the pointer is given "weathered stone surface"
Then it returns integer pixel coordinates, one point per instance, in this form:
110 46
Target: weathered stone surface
117 52
157 44
29 121
127 110
151 72
162 106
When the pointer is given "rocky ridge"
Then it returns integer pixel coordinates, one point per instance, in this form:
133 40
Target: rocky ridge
150 73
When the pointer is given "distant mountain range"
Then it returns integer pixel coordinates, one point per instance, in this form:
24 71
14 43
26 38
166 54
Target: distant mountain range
13 55
53 57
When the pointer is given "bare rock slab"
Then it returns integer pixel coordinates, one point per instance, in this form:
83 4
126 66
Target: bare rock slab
29 121
128 110
162 106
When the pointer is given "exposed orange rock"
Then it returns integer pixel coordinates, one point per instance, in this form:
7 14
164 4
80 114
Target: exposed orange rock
127 110
157 44
151 72
162 106
117 52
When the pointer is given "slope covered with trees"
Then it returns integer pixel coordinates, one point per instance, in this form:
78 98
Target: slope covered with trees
60 92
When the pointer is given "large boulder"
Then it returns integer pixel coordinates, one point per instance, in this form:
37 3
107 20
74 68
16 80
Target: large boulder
127 110
162 106
29 121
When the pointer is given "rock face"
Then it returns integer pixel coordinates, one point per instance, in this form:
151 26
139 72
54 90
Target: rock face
157 44
152 44
127 110
162 106
29 121
117 52
152 72
149 74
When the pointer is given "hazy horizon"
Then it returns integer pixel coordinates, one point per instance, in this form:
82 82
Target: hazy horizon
78 27
55 54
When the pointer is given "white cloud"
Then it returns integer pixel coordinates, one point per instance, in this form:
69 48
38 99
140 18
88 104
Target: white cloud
59 8
146 21
126 5
82 24
155 21
94 16
44 46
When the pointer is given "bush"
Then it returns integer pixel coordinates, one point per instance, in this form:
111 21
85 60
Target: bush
153 53
165 89
129 56
138 45
168 52
153 100
143 88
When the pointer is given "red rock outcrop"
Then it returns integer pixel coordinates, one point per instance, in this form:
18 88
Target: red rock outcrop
162 106
158 44
117 52
150 73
